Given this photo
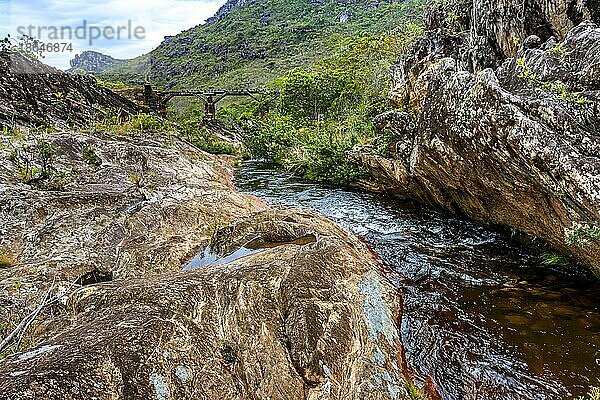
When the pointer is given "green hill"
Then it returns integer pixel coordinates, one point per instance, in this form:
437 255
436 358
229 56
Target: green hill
251 42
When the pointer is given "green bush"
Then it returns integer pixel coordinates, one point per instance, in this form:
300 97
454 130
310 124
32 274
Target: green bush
90 156
202 138
35 162
319 115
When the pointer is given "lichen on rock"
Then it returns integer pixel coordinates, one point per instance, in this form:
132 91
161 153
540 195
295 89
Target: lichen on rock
504 123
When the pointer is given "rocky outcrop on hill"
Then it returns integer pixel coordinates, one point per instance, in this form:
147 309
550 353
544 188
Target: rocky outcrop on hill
504 121
278 304
226 8
93 62
34 94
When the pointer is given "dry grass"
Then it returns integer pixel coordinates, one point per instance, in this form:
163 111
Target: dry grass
6 261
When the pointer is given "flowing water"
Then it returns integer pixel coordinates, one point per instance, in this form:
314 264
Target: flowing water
484 319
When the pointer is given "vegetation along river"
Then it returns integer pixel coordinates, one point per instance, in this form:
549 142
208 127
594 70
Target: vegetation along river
483 317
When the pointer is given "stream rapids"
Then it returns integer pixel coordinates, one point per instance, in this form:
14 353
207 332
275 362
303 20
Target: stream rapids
484 318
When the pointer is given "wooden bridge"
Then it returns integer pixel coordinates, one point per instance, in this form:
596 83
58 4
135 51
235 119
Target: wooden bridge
157 100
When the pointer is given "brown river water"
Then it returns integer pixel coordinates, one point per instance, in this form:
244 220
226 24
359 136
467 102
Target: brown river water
484 318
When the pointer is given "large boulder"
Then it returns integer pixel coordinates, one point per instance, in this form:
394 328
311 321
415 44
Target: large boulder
518 145
493 30
271 304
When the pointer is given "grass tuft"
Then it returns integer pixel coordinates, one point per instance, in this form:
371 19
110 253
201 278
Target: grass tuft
555 260
414 393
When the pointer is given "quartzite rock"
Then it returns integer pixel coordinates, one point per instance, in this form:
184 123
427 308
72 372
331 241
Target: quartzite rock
33 94
295 319
517 146
93 62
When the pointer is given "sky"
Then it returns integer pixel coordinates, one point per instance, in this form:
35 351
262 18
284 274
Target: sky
153 19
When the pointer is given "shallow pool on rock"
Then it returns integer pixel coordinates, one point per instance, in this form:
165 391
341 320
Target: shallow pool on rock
483 317
208 258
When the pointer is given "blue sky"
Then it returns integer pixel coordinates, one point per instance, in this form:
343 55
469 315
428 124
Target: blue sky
158 18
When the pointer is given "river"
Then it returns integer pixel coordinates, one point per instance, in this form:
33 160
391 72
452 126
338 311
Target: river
484 318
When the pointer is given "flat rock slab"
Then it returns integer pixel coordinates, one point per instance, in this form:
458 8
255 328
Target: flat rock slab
144 209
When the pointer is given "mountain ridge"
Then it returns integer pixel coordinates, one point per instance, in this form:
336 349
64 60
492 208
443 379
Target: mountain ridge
248 43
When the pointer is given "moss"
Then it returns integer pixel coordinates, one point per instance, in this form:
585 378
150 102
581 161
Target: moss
414 393
594 394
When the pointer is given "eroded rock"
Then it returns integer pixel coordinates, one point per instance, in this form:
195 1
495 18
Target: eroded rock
310 319
121 208
518 145
33 94
94 62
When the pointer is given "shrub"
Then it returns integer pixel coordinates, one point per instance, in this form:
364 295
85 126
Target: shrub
202 138
582 235
527 74
35 161
90 157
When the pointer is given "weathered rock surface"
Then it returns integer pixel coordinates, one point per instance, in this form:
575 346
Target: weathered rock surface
224 11
518 145
142 206
33 94
293 319
137 208
490 30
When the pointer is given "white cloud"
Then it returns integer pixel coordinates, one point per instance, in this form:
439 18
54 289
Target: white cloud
158 18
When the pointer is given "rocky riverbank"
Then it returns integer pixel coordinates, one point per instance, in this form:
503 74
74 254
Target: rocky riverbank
304 315
504 120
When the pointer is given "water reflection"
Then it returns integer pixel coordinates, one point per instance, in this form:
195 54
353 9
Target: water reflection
483 318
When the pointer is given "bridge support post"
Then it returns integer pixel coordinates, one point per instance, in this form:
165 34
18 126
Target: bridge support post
210 108
157 102
151 99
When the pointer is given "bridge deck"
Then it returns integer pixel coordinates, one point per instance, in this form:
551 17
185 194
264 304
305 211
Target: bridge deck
211 92
157 100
